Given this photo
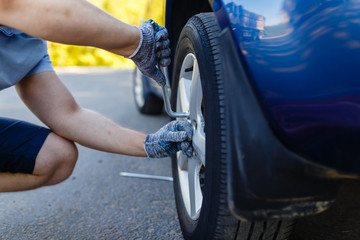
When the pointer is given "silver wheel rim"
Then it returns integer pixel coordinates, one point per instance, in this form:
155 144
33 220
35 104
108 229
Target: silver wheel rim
191 170
138 89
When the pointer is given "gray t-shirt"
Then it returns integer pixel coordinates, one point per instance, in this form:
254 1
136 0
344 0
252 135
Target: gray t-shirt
19 54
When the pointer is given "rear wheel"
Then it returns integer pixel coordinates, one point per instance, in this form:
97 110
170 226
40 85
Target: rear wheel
200 182
145 100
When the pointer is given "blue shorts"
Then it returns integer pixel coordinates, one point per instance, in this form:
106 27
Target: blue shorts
21 56
20 143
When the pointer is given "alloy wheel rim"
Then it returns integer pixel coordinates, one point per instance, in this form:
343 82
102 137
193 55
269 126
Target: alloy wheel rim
191 170
138 89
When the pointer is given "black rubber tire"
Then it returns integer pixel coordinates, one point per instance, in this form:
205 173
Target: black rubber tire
151 105
199 37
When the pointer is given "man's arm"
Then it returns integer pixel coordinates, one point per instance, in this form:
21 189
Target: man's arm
76 22
49 99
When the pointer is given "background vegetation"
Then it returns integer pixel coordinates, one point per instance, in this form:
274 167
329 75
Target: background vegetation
129 11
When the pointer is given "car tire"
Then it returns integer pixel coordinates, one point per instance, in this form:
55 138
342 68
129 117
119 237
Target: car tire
200 182
146 101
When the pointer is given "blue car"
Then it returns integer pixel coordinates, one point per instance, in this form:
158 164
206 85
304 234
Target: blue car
273 91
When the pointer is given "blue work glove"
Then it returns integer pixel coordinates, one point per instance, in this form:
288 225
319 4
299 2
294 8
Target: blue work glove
170 139
154 47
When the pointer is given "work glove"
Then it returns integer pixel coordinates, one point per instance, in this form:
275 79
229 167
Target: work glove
154 47
170 139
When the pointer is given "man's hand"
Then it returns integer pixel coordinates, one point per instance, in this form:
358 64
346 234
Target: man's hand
170 139
154 47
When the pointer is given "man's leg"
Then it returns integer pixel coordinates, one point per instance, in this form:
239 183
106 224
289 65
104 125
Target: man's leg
54 163
48 98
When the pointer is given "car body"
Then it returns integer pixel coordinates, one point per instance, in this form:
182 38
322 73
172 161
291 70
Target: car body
292 96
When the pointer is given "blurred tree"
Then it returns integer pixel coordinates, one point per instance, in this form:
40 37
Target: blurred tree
155 9
131 12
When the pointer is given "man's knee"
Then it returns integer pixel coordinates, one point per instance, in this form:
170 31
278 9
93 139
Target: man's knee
56 159
66 161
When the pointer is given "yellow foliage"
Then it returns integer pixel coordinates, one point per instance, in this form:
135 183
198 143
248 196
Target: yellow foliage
155 10
131 12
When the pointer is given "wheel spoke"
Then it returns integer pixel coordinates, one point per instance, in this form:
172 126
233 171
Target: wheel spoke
199 145
183 95
195 94
194 185
182 161
196 115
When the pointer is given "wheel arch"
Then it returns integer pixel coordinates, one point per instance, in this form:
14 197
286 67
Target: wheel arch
177 15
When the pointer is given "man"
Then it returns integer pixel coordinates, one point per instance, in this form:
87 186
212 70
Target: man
32 156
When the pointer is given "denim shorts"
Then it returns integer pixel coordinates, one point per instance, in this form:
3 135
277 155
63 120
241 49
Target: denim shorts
21 56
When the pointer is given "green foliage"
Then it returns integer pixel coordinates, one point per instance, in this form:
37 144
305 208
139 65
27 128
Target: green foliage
67 55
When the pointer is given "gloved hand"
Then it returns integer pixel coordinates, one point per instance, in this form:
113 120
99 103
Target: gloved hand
170 139
154 47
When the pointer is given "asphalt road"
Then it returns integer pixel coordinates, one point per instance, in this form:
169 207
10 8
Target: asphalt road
97 203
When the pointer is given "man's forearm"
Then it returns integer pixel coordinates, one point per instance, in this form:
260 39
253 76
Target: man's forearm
76 22
93 130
